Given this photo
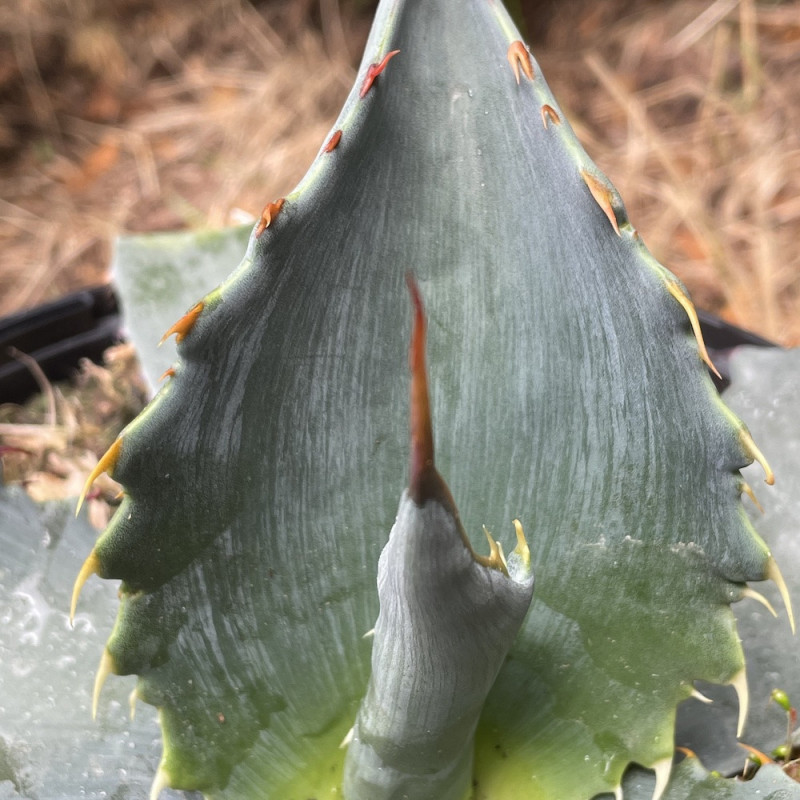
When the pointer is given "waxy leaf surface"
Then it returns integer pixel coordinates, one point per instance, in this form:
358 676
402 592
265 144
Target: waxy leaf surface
567 391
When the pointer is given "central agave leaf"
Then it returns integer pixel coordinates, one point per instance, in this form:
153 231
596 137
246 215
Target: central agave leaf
570 392
448 618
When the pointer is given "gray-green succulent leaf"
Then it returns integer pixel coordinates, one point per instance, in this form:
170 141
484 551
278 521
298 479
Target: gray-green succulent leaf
445 626
570 393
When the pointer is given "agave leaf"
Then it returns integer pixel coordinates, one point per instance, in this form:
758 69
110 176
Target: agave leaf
568 390
765 389
160 275
49 746
691 781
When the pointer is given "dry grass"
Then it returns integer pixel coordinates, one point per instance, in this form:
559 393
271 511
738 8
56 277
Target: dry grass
172 115
166 116
693 109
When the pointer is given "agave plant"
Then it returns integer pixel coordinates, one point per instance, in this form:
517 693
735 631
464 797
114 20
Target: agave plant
569 393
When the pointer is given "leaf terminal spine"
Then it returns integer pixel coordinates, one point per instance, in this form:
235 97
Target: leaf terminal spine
424 481
105 464
333 142
518 56
549 114
184 325
373 71
271 210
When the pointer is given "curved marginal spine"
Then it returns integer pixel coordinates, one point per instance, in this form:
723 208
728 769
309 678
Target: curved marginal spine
106 464
678 292
271 210
184 325
91 566
518 56
373 71
104 669
739 683
774 574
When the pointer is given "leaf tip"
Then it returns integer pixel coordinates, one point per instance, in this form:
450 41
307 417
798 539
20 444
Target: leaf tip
132 698
424 481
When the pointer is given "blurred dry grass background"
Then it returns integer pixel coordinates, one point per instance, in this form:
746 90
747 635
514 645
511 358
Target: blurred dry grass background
138 115
141 115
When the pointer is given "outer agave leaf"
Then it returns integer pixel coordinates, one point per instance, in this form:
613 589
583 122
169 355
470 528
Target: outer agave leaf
49 746
692 782
568 391
168 271
766 387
